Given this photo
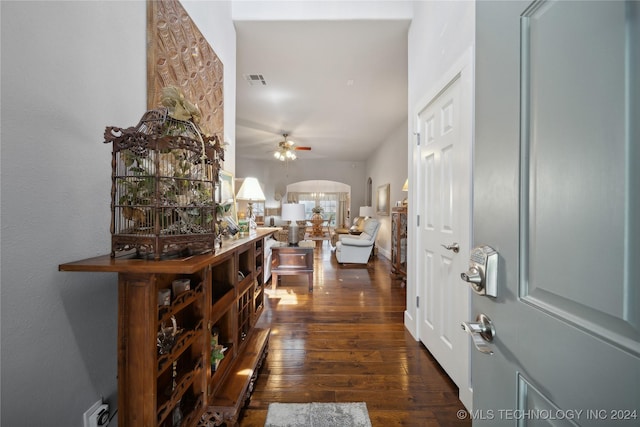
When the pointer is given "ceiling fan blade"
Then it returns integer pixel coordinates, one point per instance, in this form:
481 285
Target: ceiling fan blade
302 148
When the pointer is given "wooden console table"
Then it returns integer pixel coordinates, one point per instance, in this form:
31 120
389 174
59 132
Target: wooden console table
226 295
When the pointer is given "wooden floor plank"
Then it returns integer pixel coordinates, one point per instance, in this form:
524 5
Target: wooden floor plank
346 342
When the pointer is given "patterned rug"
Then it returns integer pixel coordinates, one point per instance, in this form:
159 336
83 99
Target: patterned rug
318 415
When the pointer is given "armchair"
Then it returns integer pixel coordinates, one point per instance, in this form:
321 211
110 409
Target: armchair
356 228
357 249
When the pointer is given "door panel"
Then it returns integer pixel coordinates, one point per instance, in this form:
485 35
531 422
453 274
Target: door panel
556 193
569 133
431 292
446 186
531 400
429 171
447 317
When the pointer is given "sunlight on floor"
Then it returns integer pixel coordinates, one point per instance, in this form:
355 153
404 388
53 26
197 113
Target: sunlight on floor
286 296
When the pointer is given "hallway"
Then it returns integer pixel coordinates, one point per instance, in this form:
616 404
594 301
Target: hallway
346 342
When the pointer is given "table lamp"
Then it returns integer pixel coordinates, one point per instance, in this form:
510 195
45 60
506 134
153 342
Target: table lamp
293 212
251 191
405 188
367 212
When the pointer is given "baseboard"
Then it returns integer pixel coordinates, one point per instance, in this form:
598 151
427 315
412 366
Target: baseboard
410 324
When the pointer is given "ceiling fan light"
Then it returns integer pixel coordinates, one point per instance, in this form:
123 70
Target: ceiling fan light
286 150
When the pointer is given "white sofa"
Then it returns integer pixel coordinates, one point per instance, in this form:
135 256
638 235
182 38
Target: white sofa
357 249
268 244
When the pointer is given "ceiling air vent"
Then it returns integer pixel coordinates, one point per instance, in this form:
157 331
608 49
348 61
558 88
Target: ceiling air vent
255 79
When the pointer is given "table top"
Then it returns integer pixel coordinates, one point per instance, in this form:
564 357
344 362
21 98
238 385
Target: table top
128 262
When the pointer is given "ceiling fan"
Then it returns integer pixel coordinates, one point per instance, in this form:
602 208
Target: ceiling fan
286 148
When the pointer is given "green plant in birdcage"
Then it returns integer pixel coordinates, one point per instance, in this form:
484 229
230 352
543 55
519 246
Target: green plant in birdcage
137 189
222 211
180 190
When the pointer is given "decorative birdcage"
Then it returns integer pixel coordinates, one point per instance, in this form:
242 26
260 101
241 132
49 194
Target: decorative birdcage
164 173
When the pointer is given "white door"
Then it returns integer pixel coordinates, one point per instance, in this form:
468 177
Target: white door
557 194
444 230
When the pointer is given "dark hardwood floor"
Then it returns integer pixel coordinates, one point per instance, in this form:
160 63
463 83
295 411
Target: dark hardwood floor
346 342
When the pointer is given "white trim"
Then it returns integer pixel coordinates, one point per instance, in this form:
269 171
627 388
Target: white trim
410 323
464 62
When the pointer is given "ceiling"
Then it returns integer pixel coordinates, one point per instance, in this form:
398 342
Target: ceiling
339 87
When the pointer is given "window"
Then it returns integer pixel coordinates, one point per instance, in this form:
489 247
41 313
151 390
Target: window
327 201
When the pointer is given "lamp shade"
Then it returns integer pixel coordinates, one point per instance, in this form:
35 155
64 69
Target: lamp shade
405 187
250 190
367 211
292 211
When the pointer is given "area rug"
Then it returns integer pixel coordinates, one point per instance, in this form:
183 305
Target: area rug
318 415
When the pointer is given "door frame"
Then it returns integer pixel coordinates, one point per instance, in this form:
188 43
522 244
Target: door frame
462 69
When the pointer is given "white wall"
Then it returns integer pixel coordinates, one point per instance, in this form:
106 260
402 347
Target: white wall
388 165
68 70
262 10
441 31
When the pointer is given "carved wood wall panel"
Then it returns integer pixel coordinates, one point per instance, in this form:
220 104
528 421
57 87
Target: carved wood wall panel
179 55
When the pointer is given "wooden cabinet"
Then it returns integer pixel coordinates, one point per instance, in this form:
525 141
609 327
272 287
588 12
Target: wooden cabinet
164 351
258 295
399 242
